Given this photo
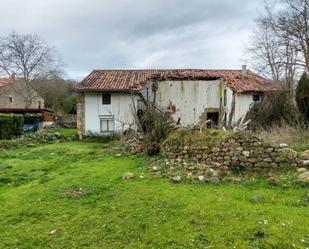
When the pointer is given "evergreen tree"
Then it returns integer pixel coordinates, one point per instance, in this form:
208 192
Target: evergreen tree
302 97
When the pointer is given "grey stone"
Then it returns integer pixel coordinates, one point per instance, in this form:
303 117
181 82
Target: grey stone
257 198
214 179
269 150
268 160
283 145
301 170
304 177
212 172
246 153
201 178
305 155
128 176
289 153
176 179
306 162
243 159
155 169
239 149
215 150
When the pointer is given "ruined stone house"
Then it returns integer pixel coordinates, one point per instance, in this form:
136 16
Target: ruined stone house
108 98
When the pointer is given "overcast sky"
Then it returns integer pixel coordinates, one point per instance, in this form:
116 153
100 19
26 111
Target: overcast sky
121 34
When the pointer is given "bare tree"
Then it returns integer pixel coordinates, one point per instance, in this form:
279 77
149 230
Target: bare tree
280 43
265 52
292 21
30 58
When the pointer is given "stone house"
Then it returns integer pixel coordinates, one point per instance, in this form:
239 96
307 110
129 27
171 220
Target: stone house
14 100
12 95
108 98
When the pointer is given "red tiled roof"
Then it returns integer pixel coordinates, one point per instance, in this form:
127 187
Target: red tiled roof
126 80
5 81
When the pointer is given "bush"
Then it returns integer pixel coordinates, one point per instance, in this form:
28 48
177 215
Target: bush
46 136
302 97
155 127
11 126
296 137
276 109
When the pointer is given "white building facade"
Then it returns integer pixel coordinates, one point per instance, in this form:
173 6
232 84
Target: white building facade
109 112
111 108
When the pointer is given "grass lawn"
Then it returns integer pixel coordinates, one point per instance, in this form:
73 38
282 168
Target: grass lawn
71 195
68 132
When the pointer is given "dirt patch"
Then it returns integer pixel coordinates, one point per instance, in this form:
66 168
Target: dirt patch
76 192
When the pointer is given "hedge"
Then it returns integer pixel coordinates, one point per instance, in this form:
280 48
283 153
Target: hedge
11 125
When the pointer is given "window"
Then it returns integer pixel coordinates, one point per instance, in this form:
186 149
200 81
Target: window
225 97
256 97
10 99
107 124
106 98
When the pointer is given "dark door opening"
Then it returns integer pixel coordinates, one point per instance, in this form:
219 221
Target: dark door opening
214 117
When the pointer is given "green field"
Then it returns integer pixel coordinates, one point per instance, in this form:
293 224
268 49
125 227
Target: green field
71 195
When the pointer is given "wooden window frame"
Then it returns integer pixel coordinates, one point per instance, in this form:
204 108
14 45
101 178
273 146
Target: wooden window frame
256 97
110 124
106 99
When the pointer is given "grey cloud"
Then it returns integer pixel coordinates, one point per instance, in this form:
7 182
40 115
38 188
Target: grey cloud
137 33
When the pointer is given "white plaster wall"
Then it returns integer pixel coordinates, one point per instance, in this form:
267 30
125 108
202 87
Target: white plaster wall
190 98
243 104
120 108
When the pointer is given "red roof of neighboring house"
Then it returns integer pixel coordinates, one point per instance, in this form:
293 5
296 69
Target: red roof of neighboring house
5 81
126 80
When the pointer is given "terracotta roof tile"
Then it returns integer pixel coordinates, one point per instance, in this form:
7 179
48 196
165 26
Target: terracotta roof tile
6 81
126 80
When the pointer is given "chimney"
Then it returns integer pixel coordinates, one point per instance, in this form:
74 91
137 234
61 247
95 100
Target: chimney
244 71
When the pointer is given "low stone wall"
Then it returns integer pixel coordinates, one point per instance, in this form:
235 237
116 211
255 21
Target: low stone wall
242 151
67 121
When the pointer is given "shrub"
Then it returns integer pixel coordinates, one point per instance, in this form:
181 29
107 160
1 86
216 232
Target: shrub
302 97
46 136
11 126
296 137
276 109
155 127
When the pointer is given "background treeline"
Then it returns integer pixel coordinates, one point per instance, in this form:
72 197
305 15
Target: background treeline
279 50
58 94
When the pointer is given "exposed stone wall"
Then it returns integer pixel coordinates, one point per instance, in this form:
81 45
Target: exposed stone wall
80 119
241 151
13 96
67 121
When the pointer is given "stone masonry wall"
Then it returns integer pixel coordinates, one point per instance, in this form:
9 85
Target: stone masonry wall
241 151
80 118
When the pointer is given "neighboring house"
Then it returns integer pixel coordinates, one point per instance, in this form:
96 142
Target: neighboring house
109 98
13 95
13 100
